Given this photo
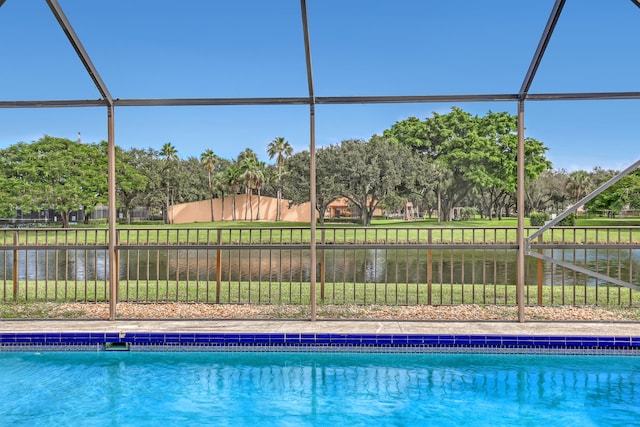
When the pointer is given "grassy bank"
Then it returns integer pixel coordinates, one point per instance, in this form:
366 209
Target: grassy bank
381 232
390 294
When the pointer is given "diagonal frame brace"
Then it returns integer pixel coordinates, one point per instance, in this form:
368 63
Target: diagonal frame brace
542 46
79 48
582 201
586 271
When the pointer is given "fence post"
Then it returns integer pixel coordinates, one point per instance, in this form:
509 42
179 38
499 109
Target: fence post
15 266
322 264
540 274
218 267
429 267
116 257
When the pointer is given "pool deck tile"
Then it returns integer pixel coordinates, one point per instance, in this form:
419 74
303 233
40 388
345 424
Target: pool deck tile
339 329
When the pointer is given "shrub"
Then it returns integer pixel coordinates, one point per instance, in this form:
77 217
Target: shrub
97 220
342 220
538 218
569 221
468 213
143 222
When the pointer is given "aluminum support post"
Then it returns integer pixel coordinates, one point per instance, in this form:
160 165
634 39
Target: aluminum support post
312 172
111 184
520 207
313 268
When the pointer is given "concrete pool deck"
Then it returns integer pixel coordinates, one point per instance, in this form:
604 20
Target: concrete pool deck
533 328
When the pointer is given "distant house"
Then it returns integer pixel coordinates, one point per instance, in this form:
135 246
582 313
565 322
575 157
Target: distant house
629 211
343 208
339 208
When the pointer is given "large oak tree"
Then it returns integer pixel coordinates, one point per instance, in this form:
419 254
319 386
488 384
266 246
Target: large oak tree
53 173
480 153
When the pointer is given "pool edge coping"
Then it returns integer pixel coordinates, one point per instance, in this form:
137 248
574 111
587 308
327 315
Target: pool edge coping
361 342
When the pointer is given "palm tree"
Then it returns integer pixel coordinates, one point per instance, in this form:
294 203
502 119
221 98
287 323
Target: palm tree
442 177
233 181
246 161
281 150
219 188
578 184
258 182
248 153
209 161
250 171
170 154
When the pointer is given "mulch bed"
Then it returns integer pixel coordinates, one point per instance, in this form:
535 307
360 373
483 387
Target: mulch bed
360 312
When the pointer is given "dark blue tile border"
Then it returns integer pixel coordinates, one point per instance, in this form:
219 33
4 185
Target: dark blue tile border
214 341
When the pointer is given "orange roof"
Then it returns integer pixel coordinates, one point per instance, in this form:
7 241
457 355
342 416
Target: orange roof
339 203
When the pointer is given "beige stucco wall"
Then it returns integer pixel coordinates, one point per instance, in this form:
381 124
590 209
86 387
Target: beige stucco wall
201 211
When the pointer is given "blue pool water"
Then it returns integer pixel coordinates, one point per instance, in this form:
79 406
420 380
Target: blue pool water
316 389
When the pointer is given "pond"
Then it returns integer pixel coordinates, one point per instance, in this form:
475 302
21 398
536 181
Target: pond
497 266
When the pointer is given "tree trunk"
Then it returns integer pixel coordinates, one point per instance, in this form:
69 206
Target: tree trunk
222 201
246 201
321 208
212 217
233 213
439 205
211 197
258 213
369 216
172 219
64 216
168 218
278 213
447 206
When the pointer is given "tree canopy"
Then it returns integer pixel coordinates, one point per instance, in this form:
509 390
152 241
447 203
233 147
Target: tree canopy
443 162
369 172
296 182
479 151
624 193
53 173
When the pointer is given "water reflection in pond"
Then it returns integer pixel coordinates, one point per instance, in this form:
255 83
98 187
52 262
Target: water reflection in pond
339 265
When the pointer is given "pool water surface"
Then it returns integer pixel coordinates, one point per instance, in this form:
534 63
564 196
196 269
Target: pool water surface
316 389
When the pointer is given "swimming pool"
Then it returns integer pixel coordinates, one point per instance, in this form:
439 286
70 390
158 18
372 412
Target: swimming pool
300 388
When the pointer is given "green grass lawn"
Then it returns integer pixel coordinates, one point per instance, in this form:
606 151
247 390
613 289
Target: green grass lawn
587 230
330 293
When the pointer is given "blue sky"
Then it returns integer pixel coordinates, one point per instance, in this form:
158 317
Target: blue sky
254 48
